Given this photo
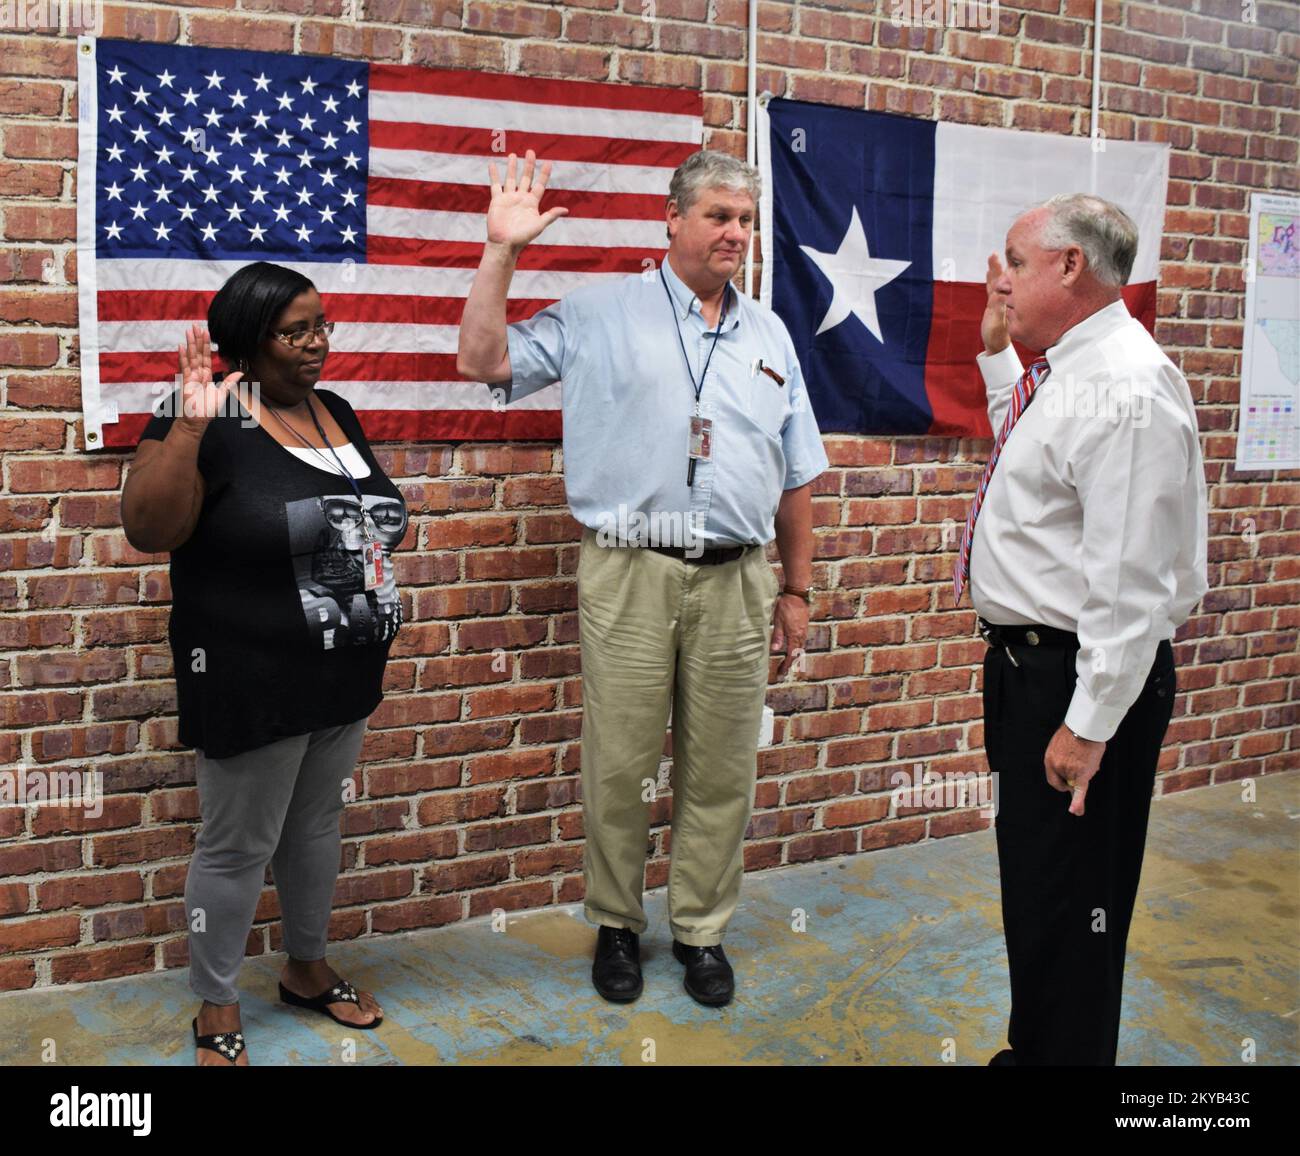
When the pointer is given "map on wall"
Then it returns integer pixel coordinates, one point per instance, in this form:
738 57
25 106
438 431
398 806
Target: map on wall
1268 436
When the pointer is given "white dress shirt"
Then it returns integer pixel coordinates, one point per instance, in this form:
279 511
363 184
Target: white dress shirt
1095 518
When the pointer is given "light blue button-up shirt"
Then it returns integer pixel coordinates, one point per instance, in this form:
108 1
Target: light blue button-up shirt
627 400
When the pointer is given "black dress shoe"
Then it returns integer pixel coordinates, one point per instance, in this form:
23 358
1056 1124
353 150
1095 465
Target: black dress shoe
709 978
1006 1058
616 971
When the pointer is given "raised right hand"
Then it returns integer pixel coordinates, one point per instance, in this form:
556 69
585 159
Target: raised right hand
513 219
201 400
993 327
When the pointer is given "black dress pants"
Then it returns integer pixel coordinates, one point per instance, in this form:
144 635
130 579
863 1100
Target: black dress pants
1068 882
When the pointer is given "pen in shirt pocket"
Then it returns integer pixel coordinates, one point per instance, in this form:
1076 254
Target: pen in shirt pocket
760 367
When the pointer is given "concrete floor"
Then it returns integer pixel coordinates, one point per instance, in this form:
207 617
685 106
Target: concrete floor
902 958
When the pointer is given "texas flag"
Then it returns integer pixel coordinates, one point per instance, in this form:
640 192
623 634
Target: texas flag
876 235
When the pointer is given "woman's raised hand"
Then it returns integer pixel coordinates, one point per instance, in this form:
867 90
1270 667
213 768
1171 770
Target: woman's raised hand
513 219
201 400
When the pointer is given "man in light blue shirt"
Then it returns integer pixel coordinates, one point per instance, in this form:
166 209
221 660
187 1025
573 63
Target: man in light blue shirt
687 430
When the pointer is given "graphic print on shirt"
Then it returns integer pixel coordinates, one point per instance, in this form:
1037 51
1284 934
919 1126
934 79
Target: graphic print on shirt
326 538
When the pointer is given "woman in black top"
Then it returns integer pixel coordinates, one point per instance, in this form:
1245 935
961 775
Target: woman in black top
280 524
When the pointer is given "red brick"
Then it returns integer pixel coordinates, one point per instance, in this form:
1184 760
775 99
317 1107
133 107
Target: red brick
32 55
227 31
410 848
507 833
141 846
566 60
102 963
893 834
416 913
36 934
29 351
855 812
466 874
17 974
515 897
633 68
821 845
116 811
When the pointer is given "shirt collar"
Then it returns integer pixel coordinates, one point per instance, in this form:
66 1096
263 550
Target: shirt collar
1086 333
685 302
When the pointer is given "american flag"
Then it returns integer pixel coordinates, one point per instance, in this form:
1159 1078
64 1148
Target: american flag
370 179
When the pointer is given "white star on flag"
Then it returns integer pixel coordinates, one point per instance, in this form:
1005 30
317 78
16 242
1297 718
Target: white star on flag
854 276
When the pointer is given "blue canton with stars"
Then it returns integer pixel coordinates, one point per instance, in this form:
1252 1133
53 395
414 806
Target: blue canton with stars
226 155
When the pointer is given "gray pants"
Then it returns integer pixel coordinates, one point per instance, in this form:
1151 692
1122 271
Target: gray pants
277 804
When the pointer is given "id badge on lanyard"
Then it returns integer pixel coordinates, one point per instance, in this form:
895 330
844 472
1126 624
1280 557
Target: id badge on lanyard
701 439
372 563
699 442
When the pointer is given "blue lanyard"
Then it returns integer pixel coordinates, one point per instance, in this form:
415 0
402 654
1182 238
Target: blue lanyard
682 342
356 489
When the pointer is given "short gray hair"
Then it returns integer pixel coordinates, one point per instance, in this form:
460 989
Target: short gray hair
1105 233
707 169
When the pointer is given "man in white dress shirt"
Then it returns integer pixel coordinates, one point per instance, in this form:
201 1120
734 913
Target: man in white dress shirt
1084 551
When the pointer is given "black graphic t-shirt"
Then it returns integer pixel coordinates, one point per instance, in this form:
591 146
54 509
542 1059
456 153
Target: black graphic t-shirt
273 632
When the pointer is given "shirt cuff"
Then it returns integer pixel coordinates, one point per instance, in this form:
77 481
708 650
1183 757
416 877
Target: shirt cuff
516 353
1092 720
797 478
520 366
999 369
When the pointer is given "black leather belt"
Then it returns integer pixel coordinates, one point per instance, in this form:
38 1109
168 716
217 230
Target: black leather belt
710 556
1026 635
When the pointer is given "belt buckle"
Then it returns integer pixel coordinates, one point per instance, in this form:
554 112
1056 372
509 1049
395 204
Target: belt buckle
986 633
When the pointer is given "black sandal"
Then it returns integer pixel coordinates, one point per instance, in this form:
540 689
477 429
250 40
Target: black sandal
341 992
228 1044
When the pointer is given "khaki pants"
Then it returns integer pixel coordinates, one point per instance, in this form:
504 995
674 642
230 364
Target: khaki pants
657 632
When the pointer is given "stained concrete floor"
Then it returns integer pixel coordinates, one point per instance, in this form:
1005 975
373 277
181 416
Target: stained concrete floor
902 962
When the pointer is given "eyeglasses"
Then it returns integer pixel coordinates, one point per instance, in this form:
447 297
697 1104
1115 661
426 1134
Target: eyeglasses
301 338
344 513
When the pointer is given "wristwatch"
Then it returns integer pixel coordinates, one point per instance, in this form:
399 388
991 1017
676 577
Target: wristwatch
806 594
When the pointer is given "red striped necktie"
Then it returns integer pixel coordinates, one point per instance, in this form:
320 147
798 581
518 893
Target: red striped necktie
1020 398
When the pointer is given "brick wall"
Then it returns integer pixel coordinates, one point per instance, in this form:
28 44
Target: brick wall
468 781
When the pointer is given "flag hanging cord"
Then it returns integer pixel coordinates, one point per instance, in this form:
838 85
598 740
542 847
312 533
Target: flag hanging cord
751 111
1094 128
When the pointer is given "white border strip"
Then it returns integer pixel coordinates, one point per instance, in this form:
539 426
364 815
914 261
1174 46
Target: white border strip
95 414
